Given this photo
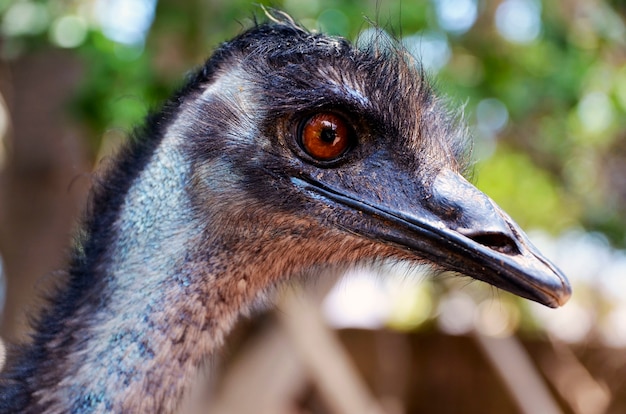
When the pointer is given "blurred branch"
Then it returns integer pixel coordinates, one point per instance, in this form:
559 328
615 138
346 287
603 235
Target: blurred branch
574 382
518 373
329 365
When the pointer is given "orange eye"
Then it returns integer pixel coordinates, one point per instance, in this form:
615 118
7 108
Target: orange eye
325 136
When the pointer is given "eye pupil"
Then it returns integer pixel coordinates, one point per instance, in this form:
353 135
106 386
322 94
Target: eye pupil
328 135
325 136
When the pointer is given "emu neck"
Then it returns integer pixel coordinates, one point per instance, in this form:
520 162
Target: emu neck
163 307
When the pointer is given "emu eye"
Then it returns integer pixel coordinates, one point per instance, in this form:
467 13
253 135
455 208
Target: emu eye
325 136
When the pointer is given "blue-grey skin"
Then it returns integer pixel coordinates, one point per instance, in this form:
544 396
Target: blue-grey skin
217 202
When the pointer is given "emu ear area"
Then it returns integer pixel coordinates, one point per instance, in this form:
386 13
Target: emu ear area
443 219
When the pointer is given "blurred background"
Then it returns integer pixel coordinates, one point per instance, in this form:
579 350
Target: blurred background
543 85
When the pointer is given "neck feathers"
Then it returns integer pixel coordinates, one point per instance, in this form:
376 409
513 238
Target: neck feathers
145 300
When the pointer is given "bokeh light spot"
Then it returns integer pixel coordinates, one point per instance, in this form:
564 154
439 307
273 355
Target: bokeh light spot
496 318
374 37
491 116
595 112
430 48
69 31
411 306
126 21
456 16
357 301
456 313
25 18
519 21
570 323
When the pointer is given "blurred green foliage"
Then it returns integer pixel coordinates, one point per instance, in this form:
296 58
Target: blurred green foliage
550 143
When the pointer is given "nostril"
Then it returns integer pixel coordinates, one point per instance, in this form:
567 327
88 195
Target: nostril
496 241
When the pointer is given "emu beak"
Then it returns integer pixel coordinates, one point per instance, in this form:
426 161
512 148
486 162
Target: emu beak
458 227
478 238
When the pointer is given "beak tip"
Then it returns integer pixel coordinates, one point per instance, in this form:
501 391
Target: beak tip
564 294
559 294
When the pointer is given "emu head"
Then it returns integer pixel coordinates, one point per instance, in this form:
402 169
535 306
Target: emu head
314 151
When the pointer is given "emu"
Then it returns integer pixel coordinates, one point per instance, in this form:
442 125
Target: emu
287 152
